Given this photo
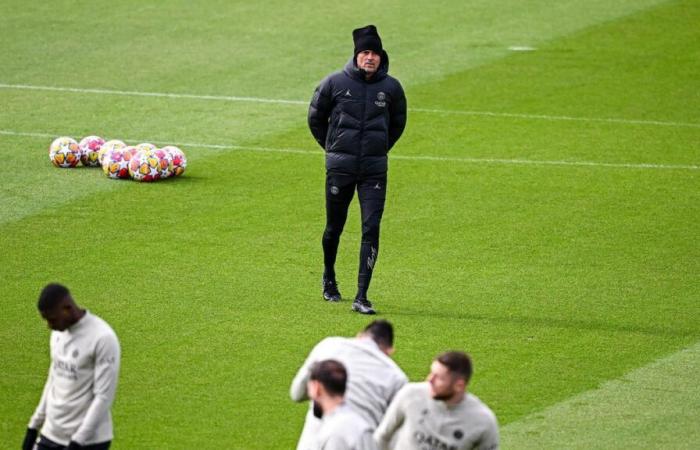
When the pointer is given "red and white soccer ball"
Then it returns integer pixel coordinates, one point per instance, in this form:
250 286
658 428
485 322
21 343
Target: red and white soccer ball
129 152
116 163
179 163
114 144
89 150
64 152
145 166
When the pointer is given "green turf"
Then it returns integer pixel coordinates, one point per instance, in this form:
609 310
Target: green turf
557 278
655 406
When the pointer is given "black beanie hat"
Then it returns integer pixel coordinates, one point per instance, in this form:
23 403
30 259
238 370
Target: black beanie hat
367 38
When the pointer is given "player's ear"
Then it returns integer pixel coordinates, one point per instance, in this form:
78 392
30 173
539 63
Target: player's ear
312 389
389 350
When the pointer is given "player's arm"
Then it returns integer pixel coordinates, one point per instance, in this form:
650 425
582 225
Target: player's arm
392 421
366 441
397 115
107 359
297 390
490 438
38 418
320 111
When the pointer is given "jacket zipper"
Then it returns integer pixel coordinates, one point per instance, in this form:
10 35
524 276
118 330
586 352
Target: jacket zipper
362 126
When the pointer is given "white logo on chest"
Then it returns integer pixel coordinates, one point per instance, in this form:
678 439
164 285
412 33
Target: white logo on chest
381 99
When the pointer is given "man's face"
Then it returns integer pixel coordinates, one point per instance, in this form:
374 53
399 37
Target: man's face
443 384
58 318
368 61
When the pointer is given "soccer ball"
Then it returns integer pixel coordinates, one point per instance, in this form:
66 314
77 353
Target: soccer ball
64 152
129 152
146 165
116 163
146 146
114 144
89 148
179 163
166 163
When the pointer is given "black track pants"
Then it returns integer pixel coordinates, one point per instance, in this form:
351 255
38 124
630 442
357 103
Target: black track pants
371 192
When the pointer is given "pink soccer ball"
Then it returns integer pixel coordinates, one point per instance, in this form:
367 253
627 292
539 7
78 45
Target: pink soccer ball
116 163
179 160
89 150
114 144
145 166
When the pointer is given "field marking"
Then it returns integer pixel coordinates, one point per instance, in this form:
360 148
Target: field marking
150 94
305 103
654 406
393 156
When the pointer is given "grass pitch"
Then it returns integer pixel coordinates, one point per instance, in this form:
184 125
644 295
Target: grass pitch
542 210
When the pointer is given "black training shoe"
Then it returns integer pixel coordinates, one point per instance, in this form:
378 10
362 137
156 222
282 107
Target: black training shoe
363 306
330 291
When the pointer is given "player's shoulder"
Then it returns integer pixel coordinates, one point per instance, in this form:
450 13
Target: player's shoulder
348 422
392 83
477 407
331 343
415 390
333 78
101 328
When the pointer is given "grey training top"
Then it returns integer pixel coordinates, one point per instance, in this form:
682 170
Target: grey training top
344 429
416 421
373 380
82 381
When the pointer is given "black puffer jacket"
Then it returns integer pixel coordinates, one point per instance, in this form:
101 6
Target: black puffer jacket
357 121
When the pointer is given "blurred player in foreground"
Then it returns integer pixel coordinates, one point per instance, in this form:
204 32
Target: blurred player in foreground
341 427
373 377
74 410
439 413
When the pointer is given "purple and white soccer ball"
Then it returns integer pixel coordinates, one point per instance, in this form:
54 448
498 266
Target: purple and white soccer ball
89 150
113 144
179 160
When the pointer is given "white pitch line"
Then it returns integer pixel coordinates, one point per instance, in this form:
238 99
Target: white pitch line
560 118
151 94
298 151
303 102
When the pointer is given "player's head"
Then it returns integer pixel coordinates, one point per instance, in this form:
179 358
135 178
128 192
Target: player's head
327 378
381 332
449 375
57 307
368 49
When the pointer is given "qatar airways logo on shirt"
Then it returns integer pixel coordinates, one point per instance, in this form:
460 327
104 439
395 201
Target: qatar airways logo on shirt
428 442
65 369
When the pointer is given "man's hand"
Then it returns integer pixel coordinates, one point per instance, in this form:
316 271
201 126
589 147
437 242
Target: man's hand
30 439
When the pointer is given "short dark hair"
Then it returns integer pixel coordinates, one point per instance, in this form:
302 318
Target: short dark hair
459 363
331 374
51 296
381 332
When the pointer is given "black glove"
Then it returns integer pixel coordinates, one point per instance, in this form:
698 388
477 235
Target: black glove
30 439
72 445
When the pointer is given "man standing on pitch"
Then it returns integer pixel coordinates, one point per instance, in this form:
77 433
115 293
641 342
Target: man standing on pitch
373 377
357 115
74 411
439 413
